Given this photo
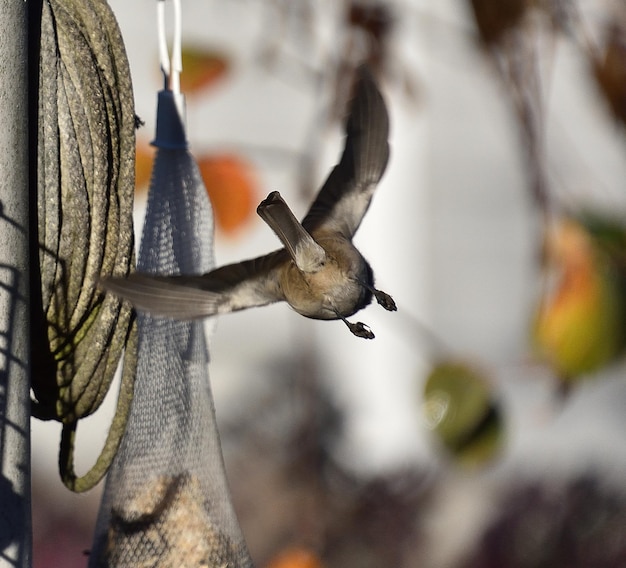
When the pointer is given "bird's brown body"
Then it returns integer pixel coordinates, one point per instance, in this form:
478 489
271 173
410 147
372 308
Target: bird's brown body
333 289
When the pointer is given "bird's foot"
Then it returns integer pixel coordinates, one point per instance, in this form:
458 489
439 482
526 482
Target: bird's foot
360 330
385 300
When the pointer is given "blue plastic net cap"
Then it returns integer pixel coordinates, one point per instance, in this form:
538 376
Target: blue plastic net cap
170 128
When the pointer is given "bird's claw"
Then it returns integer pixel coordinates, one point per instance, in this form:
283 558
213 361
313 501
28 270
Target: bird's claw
385 300
361 330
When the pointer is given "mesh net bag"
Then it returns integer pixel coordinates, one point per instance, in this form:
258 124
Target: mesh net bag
166 501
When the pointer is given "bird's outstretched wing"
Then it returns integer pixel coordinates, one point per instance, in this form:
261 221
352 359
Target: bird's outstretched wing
227 289
345 196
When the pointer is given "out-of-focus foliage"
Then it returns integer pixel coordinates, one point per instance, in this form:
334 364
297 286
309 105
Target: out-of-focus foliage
494 18
580 524
460 408
292 493
581 325
367 35
203 68
610 70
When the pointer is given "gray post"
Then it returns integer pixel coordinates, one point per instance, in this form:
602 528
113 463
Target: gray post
15 518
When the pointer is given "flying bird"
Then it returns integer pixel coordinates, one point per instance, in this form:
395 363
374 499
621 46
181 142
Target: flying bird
319 272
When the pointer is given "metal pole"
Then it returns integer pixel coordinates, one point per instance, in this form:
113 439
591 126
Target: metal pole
15 517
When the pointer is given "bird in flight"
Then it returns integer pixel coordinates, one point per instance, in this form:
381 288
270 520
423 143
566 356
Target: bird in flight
319 272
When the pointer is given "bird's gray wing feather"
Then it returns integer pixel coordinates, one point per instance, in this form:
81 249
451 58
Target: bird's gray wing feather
345 196
233 287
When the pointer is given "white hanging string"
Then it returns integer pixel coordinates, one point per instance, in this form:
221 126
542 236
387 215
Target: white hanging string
171 106
164 56
177 56
171 67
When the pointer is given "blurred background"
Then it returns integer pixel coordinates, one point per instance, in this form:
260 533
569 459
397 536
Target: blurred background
483 426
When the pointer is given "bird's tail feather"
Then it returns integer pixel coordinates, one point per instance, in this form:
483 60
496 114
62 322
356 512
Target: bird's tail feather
305 252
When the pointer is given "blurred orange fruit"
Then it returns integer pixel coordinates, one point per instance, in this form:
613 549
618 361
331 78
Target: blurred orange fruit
580 324
295 558
232 188
229 180
202 68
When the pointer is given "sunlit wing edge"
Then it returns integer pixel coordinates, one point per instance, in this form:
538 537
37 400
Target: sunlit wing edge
345 196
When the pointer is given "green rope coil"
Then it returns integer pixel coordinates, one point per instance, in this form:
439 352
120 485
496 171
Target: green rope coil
85 185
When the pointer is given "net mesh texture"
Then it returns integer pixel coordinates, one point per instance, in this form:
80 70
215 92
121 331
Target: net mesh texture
166 501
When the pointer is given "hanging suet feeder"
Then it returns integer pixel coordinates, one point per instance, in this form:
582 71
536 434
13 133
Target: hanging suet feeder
166 501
